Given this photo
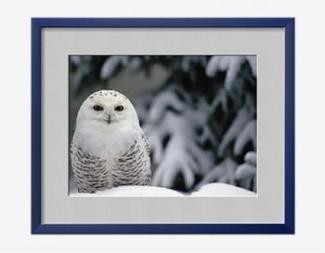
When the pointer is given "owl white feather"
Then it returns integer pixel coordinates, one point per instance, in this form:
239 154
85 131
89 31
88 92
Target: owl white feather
109 147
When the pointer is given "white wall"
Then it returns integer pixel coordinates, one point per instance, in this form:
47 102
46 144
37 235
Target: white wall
15 125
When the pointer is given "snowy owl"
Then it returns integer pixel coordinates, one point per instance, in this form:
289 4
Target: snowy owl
109 148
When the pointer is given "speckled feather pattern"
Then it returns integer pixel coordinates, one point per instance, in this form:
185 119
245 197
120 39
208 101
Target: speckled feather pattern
93 174
132 167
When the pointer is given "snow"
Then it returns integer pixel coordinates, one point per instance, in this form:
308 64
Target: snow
222 172
248 134
246 172
182 153
131 191
241 120
230 64
214 189
222 190
110 65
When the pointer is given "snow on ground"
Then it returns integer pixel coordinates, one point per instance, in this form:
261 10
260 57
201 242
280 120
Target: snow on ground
131 191
211 190
222 190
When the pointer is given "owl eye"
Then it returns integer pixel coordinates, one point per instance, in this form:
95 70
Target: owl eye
119 108
98 108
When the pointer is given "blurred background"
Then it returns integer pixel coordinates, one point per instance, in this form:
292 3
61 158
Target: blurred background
198 112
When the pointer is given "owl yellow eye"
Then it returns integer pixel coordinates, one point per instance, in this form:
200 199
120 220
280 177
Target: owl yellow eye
119 108
98 108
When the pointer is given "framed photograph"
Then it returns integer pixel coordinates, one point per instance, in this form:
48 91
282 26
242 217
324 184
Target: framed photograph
163 126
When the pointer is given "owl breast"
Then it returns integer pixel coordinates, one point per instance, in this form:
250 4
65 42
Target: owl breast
132 167
91 173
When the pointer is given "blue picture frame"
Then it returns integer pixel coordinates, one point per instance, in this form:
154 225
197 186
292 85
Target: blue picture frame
288 227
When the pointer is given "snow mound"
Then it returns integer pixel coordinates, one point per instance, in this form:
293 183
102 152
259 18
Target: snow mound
222 190
213 189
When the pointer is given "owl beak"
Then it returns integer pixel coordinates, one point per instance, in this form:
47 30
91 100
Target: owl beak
109 119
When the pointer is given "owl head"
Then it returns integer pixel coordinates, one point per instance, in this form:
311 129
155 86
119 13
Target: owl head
107 109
